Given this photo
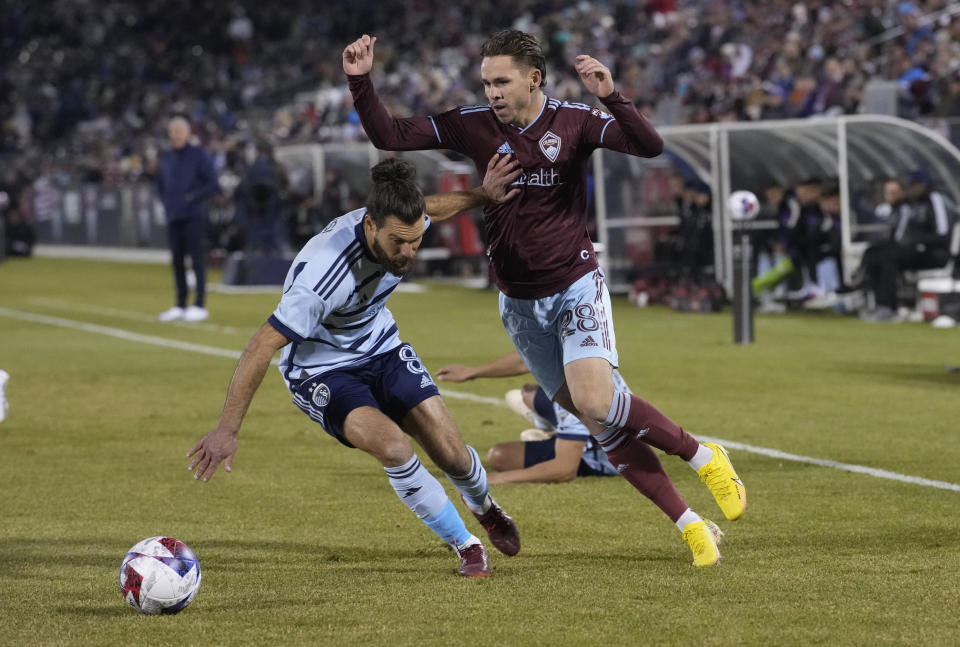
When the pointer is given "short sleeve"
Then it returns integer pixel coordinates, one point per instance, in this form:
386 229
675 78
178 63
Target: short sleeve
305 303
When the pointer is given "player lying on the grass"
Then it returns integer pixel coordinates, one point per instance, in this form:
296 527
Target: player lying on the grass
349 371
554 302
558 450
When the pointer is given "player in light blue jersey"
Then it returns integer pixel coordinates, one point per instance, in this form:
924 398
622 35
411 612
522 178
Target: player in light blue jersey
559 450
348 370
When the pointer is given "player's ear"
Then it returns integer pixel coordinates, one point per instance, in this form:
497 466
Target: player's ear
535 78
369 225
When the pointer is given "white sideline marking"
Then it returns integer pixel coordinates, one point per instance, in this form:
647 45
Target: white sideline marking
473 397
822 462
117 254
223 352
119 333
128 314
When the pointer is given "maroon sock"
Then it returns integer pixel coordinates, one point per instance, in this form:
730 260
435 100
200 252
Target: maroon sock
638 463
646 422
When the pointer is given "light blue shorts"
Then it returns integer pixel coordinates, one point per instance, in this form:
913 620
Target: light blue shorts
556 330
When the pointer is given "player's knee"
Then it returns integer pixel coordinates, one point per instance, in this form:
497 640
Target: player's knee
496 458
453 460
592 402
529 394
393 451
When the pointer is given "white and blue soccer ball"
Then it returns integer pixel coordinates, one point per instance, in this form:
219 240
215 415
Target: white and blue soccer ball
743 205
159 575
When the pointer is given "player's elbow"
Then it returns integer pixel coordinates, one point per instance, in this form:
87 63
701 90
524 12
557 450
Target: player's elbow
379 142
385 139
564 473
658 147
655 145
565 477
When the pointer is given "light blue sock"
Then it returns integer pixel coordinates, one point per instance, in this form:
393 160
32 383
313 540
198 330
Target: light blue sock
423 494
473 485
449 526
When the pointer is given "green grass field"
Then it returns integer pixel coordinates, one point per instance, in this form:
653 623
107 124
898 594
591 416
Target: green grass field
306 543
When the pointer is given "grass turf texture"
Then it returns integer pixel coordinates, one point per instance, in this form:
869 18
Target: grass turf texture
306 543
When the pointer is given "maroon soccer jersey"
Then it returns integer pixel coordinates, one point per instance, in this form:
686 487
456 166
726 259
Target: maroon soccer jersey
537 242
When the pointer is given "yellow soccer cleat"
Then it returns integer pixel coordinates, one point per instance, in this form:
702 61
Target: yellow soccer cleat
724 484
703 537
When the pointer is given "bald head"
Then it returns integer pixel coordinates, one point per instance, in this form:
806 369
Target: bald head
179 131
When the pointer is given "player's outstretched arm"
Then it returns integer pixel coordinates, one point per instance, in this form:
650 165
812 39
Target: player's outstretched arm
594 75
559 469
358 55
385 131
502 170
506 366
630 132
441 206
220 444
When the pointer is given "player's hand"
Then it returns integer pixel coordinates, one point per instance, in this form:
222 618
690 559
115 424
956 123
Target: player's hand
216 447
358 56
594 75
454 373
502 170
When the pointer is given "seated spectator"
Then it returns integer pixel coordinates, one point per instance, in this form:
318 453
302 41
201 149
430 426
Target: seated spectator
558 450
824 248
683 263
817 238
794 211
919 238
773 263
830 93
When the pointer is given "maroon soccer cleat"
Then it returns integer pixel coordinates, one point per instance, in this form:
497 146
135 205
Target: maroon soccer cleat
473 561
500 528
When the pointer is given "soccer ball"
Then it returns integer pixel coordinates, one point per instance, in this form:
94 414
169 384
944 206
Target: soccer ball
743 205
159 575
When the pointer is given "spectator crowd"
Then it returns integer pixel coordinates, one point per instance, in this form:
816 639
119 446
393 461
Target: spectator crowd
97 80
89 86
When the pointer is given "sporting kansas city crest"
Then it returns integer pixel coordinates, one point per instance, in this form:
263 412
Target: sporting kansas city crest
321 395
550 145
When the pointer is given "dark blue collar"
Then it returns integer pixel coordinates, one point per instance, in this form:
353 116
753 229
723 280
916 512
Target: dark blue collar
362 237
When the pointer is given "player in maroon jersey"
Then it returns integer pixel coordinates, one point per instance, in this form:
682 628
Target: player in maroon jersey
554 302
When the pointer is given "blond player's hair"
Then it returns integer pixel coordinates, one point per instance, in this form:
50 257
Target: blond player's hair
522 47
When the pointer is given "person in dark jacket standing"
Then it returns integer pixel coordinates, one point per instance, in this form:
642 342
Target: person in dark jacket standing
259 201
185 182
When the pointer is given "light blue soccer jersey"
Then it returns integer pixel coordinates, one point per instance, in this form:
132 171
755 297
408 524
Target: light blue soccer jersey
569 427
333 307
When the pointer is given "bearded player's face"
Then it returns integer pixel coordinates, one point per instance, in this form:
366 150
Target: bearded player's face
395 244
510 89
